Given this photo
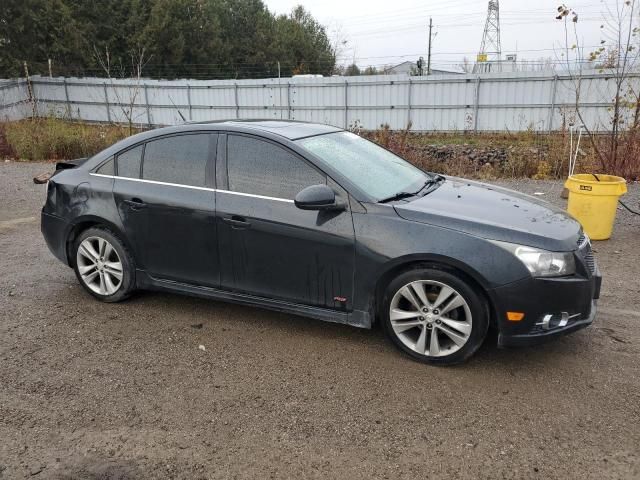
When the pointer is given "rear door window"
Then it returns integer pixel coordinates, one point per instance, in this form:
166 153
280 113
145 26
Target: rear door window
180 159
259 167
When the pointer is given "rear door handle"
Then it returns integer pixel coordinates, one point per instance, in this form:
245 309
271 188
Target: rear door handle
136 203
236 221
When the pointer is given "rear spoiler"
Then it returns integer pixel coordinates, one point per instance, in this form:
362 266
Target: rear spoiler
67 164
70 163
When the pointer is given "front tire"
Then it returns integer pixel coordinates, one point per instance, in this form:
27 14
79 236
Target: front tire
434 316
103 265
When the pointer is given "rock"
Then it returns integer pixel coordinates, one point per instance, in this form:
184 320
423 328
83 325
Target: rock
42 178
35 471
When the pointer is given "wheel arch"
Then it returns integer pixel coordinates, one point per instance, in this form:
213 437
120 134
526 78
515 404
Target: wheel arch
409 262
81 224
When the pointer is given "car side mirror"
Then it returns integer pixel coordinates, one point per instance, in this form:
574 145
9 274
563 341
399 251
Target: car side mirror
317 197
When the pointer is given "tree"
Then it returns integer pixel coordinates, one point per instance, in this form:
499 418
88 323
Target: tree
35 31
184 38
466 66
302 44
352 70
618 56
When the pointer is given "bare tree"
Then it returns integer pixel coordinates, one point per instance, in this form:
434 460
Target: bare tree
466 66
128 104
339 44
617 55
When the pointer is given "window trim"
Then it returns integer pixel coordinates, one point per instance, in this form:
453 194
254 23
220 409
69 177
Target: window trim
225 163
222 179
167 184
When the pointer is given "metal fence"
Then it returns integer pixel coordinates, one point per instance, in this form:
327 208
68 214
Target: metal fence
14 100
488 102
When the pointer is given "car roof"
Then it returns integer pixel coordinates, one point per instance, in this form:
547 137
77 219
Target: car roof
286 129
289 129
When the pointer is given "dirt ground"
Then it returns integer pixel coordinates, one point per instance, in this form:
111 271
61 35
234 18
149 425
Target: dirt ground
96 391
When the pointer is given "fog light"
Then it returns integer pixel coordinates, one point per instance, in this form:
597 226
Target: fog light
556 320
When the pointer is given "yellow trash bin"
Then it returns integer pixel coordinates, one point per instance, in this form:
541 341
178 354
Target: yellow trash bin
593 200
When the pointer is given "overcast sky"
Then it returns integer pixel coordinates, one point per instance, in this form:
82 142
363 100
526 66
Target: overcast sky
387 32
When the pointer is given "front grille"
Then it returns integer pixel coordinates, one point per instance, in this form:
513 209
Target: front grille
584 249
590 261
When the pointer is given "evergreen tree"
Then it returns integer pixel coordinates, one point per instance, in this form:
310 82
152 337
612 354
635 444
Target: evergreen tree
169 38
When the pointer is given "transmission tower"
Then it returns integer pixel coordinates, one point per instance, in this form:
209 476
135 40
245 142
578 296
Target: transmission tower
490 51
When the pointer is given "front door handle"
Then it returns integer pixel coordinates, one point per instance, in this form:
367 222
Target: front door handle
236 221
136 203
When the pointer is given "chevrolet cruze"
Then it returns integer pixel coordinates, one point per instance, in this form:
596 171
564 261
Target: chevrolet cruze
313 220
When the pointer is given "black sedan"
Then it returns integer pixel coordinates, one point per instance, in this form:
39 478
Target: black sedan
316 221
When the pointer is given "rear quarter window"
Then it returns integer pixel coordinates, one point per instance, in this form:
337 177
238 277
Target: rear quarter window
107 168
129 162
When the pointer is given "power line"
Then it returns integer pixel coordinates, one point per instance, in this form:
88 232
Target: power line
447 7
240 66
515 15
419 26
397 15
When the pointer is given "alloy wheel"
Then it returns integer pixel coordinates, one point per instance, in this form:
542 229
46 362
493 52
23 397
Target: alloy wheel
430 318
99 266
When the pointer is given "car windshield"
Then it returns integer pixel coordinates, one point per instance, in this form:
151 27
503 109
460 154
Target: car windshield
371 168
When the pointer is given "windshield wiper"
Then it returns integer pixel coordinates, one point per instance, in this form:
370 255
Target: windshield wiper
432 182
397 196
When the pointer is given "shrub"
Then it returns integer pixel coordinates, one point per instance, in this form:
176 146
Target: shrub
487 155
55 139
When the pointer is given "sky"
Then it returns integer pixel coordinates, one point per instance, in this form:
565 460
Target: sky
389 32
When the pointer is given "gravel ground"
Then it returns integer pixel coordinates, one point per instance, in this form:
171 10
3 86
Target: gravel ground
89 390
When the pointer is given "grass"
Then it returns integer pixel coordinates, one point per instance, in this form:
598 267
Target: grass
55 139
485 156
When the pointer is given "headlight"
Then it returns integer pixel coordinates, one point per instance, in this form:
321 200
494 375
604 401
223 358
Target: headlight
542 263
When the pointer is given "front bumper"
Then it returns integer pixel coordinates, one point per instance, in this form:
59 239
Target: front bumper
535 338
552 306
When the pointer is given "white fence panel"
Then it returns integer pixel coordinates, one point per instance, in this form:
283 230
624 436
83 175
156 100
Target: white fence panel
14 100
489 102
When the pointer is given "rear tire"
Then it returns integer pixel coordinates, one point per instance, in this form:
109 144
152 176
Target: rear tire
103 265
434 316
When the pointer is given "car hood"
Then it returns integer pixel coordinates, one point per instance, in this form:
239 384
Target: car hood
495 213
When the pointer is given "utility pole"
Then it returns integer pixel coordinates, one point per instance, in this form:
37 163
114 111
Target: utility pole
429 51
